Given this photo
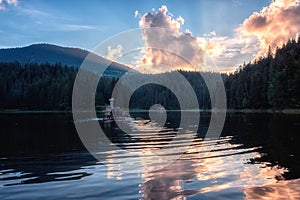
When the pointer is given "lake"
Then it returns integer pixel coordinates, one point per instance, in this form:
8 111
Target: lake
256 157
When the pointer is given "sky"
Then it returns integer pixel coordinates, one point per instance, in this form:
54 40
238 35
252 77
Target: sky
229 31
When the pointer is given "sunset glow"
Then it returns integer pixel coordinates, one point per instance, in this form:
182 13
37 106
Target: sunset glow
271 27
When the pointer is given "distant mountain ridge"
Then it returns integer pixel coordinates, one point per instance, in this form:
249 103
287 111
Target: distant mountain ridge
43 53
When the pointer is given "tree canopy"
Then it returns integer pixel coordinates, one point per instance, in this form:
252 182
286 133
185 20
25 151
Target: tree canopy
272 82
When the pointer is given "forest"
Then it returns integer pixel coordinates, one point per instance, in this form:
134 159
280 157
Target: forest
272 82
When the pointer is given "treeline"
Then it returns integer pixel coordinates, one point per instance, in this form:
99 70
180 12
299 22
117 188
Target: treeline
271 82
49 87
35 86
151 94
43 86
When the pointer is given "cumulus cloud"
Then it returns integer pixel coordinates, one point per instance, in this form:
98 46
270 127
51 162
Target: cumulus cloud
162 18
4 3
274 25
166 41
114 53
171 41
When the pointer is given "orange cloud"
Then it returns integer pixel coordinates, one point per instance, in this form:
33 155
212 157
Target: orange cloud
273 25
164 43
114 53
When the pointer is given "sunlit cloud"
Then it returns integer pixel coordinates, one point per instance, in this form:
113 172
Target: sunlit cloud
226 52
274 25
182 43
230 52
114 53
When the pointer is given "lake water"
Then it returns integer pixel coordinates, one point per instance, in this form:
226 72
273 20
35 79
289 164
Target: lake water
256 157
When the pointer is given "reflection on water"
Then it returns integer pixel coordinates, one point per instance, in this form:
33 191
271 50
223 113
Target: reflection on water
255 158
281 190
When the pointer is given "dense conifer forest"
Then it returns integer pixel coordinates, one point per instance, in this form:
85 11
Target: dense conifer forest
272 82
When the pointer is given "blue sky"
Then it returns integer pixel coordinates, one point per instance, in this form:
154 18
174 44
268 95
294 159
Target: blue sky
231 32
85 24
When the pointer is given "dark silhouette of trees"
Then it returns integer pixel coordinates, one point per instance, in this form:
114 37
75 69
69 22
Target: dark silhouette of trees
43 86
272 82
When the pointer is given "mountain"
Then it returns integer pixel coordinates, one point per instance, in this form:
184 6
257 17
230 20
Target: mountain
48 53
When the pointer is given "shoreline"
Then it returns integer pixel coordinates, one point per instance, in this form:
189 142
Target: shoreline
270 111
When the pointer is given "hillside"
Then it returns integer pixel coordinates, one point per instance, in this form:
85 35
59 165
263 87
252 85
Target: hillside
52 54
272 82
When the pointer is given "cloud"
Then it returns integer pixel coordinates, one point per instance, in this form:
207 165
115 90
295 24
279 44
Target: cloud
235 51
5 3
171 41
75 27
166 41
35 12
12 2
50 22
274 25
226 52
213 33
137 14
114 53
2 7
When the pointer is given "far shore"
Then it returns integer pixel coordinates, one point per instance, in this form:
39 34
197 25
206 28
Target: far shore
271 111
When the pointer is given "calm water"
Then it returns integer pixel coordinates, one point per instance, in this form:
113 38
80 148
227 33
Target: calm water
257 156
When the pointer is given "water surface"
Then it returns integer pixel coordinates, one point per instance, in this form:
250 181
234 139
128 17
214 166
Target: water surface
41 156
